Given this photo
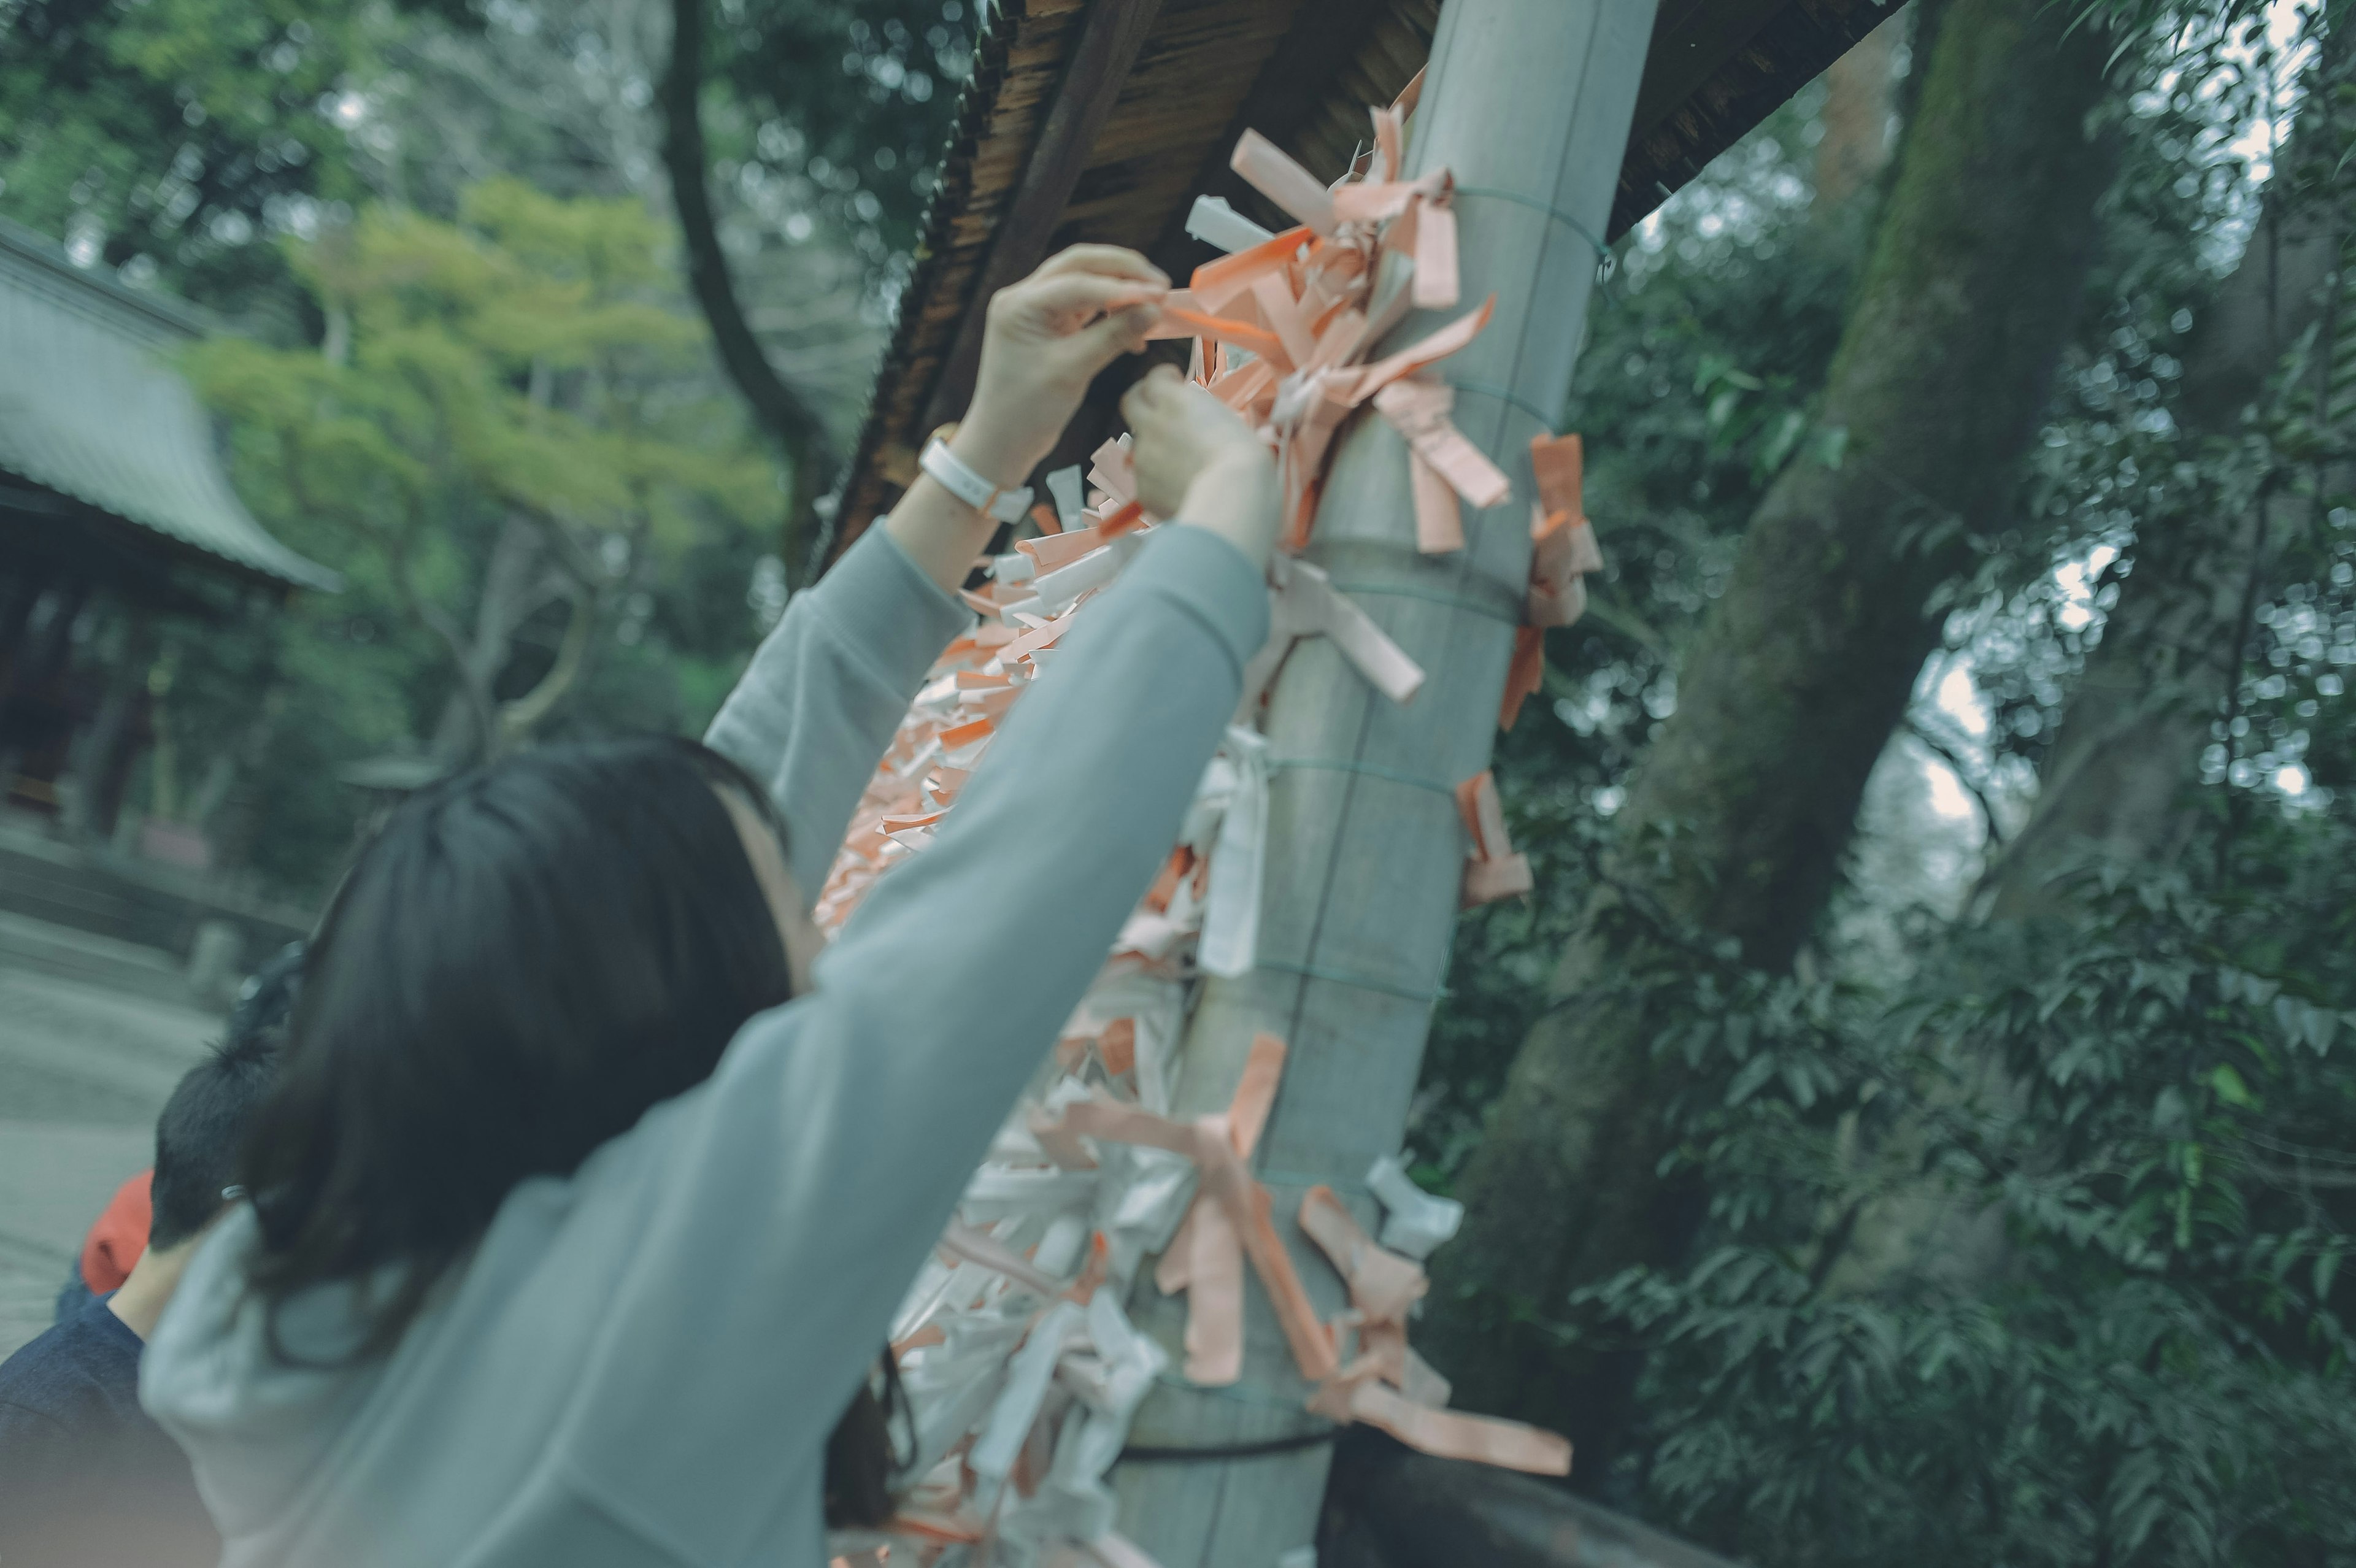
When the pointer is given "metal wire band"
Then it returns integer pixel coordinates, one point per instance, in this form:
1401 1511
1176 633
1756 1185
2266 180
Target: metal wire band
1602 251
1302 1178
1402 590
1239 1392
1344 977
1335 765
1512 398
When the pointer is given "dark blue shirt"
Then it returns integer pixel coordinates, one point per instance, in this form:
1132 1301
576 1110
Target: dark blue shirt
86 1477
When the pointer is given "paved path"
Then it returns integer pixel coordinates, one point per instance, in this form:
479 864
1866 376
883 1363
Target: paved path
85 1065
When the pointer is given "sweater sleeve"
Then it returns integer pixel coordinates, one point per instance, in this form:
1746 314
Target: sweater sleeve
817 708
782 1208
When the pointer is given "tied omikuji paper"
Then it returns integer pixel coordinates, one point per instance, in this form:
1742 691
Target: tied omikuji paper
1022 1368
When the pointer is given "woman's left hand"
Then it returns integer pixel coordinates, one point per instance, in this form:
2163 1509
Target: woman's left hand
1049 337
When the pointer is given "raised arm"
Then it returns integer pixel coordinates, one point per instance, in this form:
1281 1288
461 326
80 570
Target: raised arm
816 708
803 1185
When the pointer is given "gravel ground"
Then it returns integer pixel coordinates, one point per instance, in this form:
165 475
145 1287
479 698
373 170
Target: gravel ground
84 1068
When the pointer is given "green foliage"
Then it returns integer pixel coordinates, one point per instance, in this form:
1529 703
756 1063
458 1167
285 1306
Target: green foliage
849 102
2139 1353
168 137
512 449
520 358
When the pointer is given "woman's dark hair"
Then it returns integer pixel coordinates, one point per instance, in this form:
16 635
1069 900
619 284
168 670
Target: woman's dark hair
521 962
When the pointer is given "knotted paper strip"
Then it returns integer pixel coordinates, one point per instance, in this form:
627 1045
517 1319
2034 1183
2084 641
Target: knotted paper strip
1492 870
1386 1384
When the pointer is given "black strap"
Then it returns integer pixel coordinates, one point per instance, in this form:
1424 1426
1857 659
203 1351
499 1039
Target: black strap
1146 1454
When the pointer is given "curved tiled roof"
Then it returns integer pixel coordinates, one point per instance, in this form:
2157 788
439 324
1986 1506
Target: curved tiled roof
1101 120
91 409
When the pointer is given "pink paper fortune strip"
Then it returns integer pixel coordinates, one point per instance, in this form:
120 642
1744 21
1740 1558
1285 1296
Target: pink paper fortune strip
1563 551
1492 870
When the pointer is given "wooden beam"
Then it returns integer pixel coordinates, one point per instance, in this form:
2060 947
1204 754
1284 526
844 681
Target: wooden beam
1531 98
1092 83
1691 38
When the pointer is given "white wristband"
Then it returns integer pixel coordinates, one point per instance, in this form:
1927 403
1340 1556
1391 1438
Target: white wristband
952 474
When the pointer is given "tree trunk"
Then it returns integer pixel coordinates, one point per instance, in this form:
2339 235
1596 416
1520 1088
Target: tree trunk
2116 778
780 410
1736 823
2138 720
1364 852
468 728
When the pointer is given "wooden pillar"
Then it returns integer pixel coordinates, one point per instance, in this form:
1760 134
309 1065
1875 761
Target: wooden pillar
1528 102
101 761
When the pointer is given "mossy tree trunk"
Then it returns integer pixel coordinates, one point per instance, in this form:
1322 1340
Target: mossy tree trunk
1737 820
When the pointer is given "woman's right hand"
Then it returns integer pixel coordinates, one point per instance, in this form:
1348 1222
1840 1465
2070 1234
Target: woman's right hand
1046 338
1197 462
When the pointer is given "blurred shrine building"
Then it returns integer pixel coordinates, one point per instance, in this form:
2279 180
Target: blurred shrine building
116 518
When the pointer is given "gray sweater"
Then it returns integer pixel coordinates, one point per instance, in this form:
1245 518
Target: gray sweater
640 1363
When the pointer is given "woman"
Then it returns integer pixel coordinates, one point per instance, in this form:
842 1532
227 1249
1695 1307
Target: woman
572 1236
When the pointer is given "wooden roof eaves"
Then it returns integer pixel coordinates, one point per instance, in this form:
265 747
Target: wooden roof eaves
1325 37
135 561
1720 67
1717 69
952 191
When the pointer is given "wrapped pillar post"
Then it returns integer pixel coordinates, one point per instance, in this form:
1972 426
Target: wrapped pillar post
1528 104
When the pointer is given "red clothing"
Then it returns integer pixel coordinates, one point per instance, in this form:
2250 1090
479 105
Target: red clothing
115 1242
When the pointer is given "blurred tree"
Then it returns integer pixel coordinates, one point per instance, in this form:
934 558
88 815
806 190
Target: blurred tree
784 412
178 139
503 441
578 100
165 138
855 97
